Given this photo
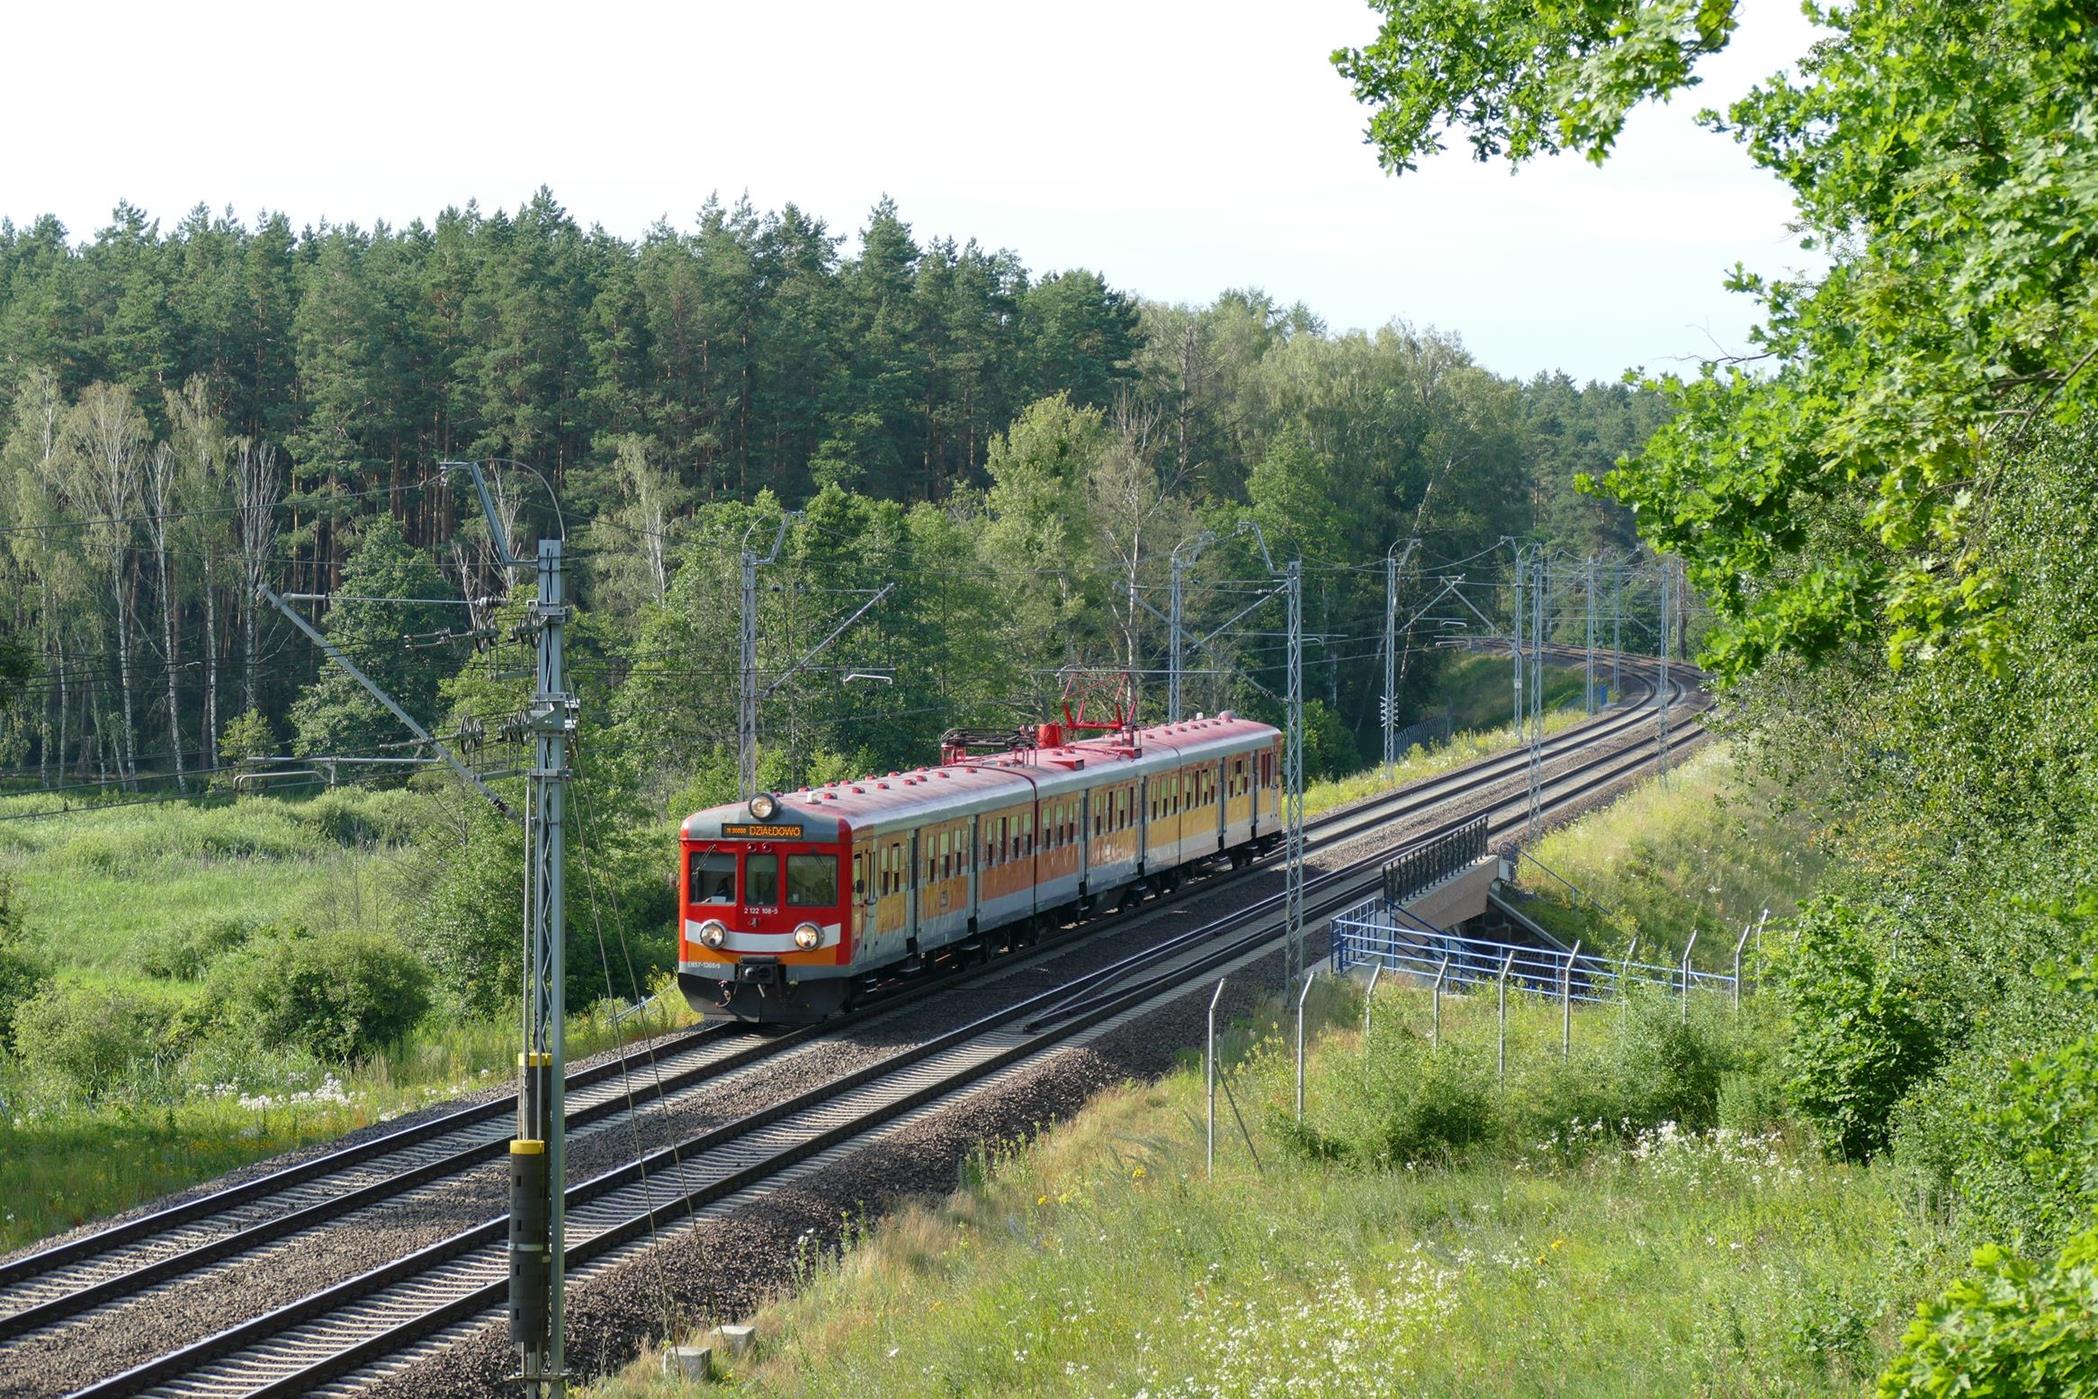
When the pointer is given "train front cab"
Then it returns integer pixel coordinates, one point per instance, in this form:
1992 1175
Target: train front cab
766 926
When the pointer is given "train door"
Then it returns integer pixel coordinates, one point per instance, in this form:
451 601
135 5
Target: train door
1085 836
911 865
866 856
972 852
1220 794
1143 821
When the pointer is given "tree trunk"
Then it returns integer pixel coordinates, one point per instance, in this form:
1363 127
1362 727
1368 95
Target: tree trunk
211 667
127 756
168 606
65 687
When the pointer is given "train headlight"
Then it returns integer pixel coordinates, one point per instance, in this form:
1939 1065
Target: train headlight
764 806
808 937
712 934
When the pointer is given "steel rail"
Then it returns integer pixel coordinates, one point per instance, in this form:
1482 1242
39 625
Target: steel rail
1336 890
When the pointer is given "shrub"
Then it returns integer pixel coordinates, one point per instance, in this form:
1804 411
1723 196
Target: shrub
1751 1101
2009 1328
622 884
341 997
2019 1143
188 950
356 818
1667 1069
241 743
1404 1106
468 928
21 973
1858 1038
91 1037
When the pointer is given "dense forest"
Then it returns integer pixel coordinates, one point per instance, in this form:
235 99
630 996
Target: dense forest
198 411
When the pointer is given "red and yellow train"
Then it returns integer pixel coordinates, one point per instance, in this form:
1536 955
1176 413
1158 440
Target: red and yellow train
796 903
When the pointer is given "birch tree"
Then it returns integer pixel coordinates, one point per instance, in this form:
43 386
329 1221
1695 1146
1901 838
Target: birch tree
105 451
200 448
257 488
161 488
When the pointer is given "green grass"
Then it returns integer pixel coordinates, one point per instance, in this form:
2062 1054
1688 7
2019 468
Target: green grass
1703 849
94 888
1102 1259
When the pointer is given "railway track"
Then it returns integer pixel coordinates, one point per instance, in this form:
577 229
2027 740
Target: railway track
142 1255
103 1268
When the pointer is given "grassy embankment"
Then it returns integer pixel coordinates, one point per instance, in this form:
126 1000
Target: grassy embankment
1701 851
1634 1220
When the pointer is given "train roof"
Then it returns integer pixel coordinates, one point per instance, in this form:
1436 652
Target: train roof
996 780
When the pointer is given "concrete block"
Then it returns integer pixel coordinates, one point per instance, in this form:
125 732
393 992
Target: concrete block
689 1362
736 1342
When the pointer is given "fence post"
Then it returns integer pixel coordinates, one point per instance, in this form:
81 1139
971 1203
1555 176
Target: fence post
1741 943
1566 1003
1688 948
1300 1040
1435 996
1624 981
1501 1068
1209 1065
1369 998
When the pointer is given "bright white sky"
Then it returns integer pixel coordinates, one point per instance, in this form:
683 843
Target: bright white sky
1180 148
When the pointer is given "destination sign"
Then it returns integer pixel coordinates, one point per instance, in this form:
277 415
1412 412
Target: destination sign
761 832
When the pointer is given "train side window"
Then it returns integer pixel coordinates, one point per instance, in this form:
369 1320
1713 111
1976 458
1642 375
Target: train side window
713 878
812 881
761 880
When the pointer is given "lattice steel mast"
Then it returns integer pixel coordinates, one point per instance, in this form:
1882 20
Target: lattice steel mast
1293 782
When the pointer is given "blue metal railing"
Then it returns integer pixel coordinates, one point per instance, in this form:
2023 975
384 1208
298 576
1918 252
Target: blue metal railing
1376 934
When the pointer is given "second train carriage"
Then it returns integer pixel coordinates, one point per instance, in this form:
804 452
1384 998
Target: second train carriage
794 902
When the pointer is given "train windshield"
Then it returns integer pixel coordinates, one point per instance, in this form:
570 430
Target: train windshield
713 877
812 880
761 880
